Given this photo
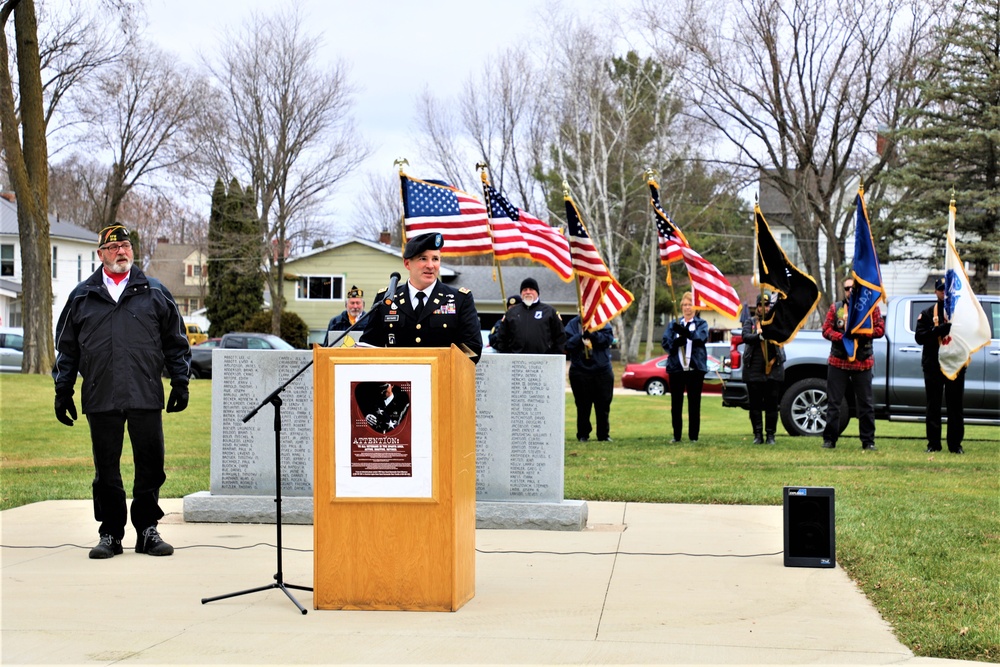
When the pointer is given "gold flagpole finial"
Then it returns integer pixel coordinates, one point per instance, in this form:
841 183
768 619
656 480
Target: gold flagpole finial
565 187
483 168
400 161
650 174
952 195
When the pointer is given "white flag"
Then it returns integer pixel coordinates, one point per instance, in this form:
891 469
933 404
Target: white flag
970 329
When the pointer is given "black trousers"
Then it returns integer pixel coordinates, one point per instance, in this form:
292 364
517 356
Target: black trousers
837 380
592 390
764 396
954 391
107 434
690 382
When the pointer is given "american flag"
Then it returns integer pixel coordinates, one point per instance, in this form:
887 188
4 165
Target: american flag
708 286
670 238
601 296
436 207
517 233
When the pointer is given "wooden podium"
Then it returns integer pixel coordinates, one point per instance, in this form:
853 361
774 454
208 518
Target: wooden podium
395 479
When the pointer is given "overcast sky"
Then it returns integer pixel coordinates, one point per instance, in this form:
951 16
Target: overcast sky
394 48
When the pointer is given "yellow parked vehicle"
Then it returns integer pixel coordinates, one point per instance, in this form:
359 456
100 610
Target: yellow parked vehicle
194 333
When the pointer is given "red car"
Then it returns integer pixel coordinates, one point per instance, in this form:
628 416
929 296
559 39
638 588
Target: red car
651 376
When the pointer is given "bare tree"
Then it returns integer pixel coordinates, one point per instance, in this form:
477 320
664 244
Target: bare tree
139 112
799 89
27 167
381 209
440 143
77 43
285 127
614 117
503 114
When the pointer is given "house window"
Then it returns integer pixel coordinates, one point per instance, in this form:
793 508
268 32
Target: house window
14 318
319 288
79 268
55 261
93 261
7 259
790 247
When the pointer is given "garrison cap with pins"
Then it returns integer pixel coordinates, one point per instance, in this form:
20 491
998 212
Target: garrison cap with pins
355 292
422 243
112 234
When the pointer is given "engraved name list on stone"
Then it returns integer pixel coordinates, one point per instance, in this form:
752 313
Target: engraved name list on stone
519 431
243 453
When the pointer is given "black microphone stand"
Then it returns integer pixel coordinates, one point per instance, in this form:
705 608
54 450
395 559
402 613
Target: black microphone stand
274 398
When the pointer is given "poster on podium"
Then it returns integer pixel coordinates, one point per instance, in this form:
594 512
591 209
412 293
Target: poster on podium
383 448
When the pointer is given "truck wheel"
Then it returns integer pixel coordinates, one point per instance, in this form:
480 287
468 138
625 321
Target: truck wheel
803 408
656 387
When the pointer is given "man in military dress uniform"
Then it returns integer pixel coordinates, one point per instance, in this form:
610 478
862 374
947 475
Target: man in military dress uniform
424 312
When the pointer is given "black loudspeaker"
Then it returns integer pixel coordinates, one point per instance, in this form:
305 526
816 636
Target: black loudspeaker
810 538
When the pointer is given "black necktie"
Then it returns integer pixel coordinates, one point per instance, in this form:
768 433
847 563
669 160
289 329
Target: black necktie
419 308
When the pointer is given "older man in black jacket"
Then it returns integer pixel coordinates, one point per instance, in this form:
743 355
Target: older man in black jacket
121 330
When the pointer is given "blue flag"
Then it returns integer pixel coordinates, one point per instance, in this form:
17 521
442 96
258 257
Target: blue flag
868 289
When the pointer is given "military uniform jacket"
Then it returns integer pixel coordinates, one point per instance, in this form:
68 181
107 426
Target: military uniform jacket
449 316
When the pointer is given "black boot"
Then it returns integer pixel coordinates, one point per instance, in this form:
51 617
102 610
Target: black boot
770 425
758 427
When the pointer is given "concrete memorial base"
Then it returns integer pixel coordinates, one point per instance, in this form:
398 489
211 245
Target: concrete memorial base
203 507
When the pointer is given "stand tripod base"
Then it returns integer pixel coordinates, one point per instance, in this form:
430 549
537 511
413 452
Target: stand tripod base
282 586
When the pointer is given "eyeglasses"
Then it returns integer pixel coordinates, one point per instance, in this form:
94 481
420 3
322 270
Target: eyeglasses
115 247
847 288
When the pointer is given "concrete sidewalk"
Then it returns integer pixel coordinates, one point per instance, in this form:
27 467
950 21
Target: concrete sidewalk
644 584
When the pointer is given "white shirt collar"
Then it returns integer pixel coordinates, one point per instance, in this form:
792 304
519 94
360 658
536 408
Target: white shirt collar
414 290
115 289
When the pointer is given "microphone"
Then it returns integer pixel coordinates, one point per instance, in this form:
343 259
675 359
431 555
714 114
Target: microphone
391 291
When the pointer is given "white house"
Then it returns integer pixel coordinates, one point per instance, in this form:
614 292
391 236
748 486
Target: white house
74 257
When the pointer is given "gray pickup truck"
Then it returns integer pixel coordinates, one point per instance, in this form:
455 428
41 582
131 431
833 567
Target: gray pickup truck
898 381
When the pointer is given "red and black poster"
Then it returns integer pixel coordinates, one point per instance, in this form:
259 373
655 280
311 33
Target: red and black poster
381 440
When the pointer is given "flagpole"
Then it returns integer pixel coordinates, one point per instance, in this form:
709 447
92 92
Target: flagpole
576 278
400 161
483 168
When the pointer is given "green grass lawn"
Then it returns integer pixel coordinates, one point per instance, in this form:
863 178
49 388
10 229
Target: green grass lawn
919 533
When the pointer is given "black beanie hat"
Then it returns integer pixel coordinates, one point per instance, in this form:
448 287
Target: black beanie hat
530 283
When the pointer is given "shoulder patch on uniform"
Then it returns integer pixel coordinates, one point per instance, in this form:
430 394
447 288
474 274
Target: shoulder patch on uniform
464 290
382 290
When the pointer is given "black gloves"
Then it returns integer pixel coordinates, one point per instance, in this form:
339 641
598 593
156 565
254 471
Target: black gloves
178 399
680 329
942 330
65 408
585 335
